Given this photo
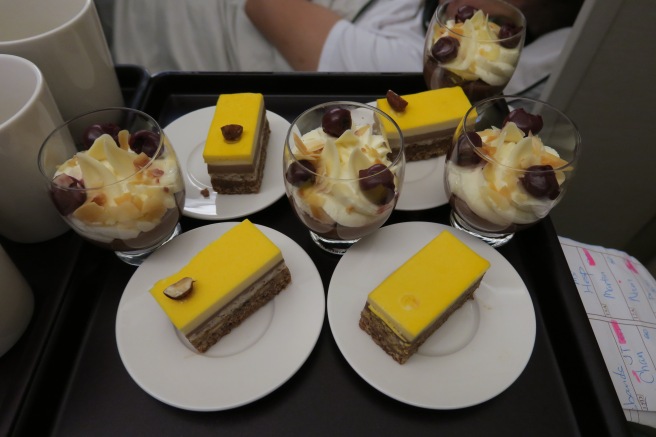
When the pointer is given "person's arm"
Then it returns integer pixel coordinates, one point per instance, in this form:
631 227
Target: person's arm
296 28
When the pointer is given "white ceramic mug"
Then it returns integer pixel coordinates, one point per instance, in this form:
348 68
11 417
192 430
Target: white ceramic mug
28 113
65 39
16 303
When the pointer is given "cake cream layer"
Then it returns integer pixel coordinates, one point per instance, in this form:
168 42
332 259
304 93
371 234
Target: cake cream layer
419 292
427 113
221 271
246 110
240 308
226 312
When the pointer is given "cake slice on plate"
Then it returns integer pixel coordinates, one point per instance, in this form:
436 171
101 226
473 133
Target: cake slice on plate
427 122
237 141
416 299
222 285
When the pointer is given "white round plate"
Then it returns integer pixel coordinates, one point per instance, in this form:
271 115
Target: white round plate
252 361
478 353
188 134
423 184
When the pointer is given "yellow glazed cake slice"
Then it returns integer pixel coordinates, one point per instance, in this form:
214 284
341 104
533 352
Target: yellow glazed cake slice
236 146
417 298
428 121
232 277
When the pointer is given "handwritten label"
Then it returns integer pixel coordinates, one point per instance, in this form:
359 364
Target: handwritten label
619 296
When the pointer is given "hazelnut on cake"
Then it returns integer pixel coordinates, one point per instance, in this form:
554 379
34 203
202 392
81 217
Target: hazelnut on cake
236 146
416 299
222 285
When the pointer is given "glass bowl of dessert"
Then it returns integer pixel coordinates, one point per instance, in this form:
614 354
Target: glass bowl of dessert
114 177
511 161
343 167
474 44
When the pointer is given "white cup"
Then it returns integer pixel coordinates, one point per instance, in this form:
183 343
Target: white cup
65 39
16 303
28 113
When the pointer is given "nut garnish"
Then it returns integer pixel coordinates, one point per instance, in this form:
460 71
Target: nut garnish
301 145
397 102
124 139
180 289
205 193
141 160
232 132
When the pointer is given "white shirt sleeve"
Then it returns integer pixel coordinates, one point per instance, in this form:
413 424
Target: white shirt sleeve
388 37
538 60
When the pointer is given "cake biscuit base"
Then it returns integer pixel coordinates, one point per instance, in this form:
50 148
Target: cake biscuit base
426 150
252 299
396 347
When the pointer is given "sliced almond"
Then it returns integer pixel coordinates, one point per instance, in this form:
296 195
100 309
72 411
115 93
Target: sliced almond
141 160
300 145
362 130
124 139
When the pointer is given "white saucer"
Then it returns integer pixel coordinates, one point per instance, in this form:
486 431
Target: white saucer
478 353
423 185
252 361
188 134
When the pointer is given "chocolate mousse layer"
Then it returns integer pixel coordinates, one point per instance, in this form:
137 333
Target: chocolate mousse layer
461 207
438 77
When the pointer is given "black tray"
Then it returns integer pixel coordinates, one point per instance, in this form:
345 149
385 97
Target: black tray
564 390
133 80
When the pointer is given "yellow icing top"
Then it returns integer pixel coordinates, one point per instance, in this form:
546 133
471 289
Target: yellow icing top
220 271
427 111
243 109
417 293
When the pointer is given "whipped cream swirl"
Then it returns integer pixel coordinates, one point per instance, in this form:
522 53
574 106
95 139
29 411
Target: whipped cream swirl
492 189
127 193
336 196
480 56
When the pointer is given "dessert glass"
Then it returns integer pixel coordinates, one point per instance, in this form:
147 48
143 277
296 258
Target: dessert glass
128 200
481 61
503 178
342 192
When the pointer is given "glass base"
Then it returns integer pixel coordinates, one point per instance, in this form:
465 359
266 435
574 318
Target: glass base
336 247
136 257
494 240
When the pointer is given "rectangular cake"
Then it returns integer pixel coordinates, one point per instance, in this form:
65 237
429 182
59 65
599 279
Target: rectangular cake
223 285
418 297
428 122
236 146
